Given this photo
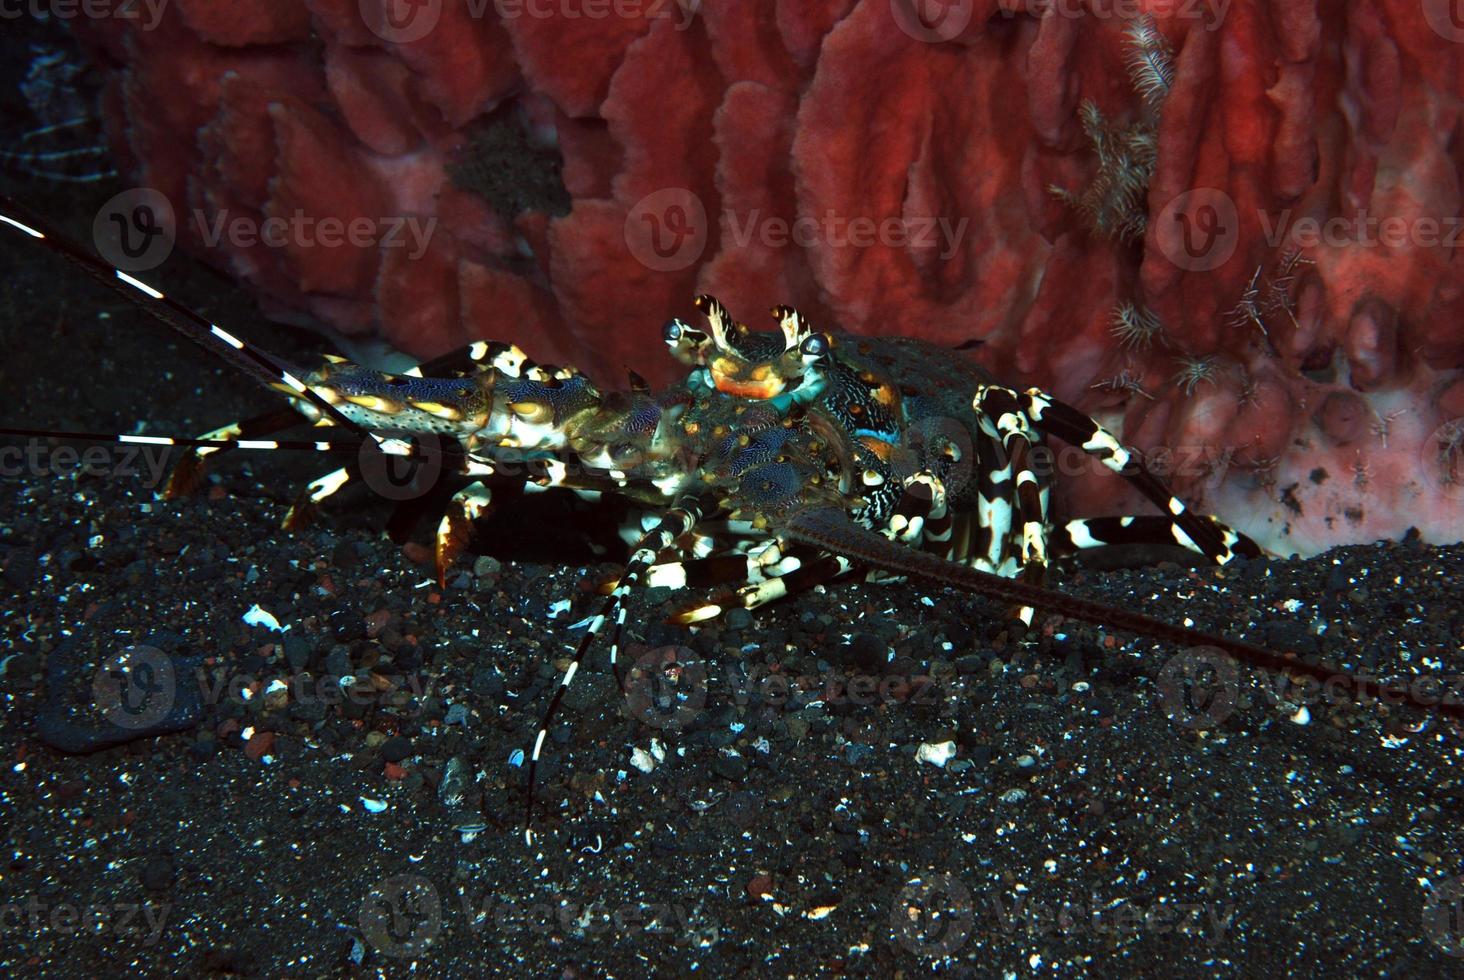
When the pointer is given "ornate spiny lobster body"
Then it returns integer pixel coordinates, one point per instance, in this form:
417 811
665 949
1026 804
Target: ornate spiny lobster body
784 460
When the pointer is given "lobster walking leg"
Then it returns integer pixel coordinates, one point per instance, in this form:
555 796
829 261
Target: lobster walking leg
455 530
799 569
189 470
678 520
1100 532
1206 535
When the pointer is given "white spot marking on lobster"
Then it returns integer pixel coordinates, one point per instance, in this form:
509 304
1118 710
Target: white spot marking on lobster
1184 539
328 484
225 336
1081 536
25 228
671 575
138 284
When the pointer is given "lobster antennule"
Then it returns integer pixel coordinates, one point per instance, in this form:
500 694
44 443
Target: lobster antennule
831 529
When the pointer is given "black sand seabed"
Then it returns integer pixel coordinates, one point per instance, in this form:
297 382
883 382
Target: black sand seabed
1076 830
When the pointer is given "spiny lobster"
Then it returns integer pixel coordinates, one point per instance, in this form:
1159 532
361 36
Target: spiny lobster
786 459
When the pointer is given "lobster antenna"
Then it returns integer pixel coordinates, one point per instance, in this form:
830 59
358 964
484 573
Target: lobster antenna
679 520
323 446
259 364
832 530
390 446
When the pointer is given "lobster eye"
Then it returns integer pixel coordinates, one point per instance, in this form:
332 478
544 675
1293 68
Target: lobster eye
671 332
815 345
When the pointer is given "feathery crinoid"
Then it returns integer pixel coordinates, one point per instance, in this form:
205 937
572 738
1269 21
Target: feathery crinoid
1150 62
1448 446
1134 325
1267 295
1115 202
1278 296
1193 371
1124 380
1248 310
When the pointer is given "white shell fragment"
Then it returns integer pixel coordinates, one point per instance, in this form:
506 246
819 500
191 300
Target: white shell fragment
259 617
936 753
373 806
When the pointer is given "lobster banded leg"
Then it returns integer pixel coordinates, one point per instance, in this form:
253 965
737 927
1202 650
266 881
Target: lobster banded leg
1027 521
1208 536
187 473
678 520
920 512
986 535
455 530
1100 532
820 570
302 509
1031 520
747 561
798 568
